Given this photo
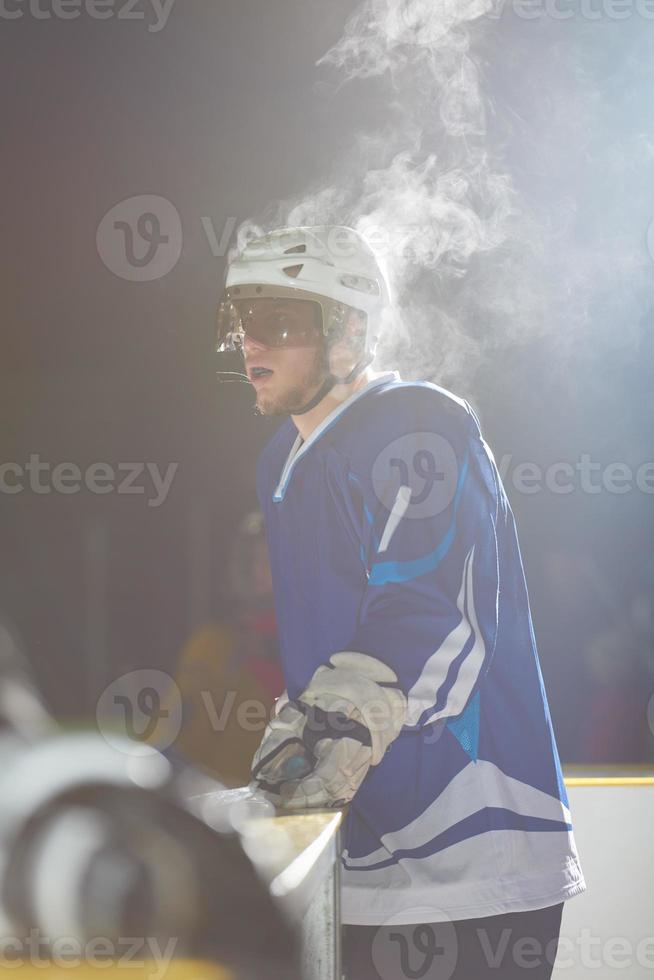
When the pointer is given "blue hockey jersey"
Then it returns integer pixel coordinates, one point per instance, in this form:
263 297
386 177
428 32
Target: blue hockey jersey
390 534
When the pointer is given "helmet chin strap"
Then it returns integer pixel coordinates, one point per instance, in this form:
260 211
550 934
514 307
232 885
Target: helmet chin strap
331 380
324 390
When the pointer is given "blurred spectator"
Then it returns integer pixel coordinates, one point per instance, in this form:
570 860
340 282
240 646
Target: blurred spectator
569 605
606 670
615 728
229 673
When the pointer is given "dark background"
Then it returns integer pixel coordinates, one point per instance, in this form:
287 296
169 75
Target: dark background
219 112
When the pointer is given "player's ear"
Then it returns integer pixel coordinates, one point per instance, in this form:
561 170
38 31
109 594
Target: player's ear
348 349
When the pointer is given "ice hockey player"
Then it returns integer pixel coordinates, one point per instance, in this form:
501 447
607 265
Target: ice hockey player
414 691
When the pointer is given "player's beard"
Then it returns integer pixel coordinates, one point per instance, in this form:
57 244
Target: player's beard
299 392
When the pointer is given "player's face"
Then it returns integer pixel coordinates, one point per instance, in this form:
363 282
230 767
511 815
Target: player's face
284 378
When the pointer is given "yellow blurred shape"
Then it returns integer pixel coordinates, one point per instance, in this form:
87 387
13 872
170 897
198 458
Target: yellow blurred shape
110 970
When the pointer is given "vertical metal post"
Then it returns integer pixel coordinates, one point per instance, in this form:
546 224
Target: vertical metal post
338 963
321 925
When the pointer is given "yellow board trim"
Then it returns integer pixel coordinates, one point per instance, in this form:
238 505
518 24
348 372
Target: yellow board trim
180 969
609 781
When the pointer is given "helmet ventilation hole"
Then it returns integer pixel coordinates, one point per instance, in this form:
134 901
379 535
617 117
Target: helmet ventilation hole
293 270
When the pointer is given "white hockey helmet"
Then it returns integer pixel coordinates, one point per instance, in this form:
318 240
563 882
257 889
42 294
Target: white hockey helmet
330 265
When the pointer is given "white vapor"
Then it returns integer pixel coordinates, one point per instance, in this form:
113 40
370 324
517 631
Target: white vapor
475 268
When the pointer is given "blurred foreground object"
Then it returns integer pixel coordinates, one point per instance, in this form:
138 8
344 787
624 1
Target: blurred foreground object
97 843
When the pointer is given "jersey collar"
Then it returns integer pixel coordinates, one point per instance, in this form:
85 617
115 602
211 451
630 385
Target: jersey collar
299 448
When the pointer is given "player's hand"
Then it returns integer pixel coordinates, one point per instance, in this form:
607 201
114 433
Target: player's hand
341 766
297 765
282 755
317 751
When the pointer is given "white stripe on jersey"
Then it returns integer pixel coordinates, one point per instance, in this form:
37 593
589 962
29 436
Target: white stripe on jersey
478 785
424 693
471 878
461 689
398 511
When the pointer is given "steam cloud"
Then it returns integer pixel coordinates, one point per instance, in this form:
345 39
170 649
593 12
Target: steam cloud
476 264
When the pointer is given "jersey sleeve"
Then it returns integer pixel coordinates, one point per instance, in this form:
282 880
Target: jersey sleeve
425 508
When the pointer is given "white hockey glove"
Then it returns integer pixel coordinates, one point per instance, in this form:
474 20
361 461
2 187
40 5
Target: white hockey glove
317 750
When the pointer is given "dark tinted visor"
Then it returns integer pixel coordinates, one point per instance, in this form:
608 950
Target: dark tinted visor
278 322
